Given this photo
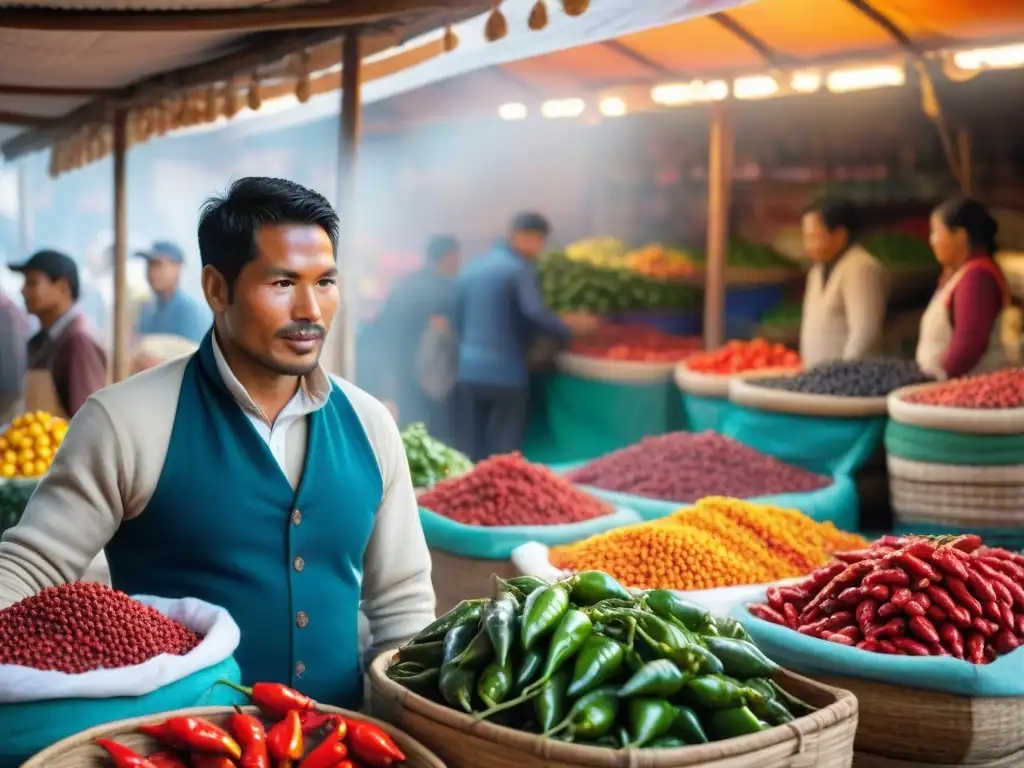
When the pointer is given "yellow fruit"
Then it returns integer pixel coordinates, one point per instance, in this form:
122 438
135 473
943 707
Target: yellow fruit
44 452
59 430
36 429
27 455
44 441
28 469
3 445
10 457
14 436
42 467
26 442
8 470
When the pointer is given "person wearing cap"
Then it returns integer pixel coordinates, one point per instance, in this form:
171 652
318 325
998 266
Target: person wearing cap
13 340
66 364
245 475
498 312
170 311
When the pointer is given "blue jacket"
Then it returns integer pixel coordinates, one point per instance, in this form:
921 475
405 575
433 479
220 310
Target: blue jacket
498 312
180 315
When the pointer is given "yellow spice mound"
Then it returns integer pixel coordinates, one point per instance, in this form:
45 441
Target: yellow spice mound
28 446
718 542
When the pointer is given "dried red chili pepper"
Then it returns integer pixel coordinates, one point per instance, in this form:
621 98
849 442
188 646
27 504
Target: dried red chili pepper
212 761
958 589
949 563
371 745
829 624
998 577
285 740
166 760
914 609
924 629
791 615
767 613
901 597
123 756
968 543
774 598
331 751
870 645
894 577
952 638
198 735
888 610
838 637
892 628
918 567
273 699
251 736
937 614
856 555
984 626
911 647
980 586
945 601
866 613
1005 642
975 643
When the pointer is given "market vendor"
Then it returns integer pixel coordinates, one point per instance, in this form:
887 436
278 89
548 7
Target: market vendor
847 288
971 324
244 475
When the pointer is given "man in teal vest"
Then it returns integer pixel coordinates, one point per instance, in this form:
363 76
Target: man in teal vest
244 475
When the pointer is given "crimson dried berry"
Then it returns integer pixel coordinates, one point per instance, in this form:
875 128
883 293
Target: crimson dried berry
986 391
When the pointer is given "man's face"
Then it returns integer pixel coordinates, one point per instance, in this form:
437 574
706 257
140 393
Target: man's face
821 243
529 244
285 300
41 294
163 274
449 263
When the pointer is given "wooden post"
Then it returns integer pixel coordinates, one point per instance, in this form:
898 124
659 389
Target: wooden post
348 151
121 330
720 165
964 151
25 219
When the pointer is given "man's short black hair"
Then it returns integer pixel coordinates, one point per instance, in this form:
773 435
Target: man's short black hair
228 222
440 246
836 213
531 221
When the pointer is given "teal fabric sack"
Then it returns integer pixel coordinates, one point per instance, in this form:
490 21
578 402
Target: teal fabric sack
704 413
827 446
813 657
585 418
937 446
489 542
28 728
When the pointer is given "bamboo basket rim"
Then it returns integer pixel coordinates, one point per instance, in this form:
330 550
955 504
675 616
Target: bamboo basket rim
703 384
613 371
409 745
743 392
842 709
972 421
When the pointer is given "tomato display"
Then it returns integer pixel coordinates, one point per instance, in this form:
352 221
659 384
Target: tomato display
635 343
742 356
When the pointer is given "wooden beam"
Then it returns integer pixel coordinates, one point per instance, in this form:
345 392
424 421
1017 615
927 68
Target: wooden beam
335 14
348 156
883 21
720 168
752 41
9 89
635 56
122 333
20 118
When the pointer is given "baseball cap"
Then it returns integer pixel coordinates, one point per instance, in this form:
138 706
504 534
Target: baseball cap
163 249
55 265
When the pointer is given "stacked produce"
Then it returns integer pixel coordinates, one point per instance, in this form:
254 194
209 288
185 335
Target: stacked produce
290 732
989 391
686 466
718 542
27 447
660 262
82 626
786 313
744 356
574 286
911 596
607 252
430 460
850 378
900 251
636 343
748 255
508 490
586 661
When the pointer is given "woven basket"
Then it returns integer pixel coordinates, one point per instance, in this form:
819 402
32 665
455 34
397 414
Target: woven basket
79 751
717 384
614 371
823 739
457 578
828 406
926 472
908 727
940 446
958 506
972 421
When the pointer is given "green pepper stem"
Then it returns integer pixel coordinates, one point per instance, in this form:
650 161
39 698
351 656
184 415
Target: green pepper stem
510 704
237 687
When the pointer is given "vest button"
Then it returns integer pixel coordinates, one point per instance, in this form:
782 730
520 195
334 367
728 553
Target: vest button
301 619
296 517
299 563
300 669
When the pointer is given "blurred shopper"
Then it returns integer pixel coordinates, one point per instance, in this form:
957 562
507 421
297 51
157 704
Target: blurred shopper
66 363
419 345
171 310
971 324
498 313
13 341
847 288
157 349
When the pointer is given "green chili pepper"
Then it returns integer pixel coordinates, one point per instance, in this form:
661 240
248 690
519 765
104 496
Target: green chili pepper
590 587
690 659
529 667
771 709
495 683
499 620
424 682
686 726
717 692
456 686
796 706
656 628
552 702
622 737
706 662
592 716
734 722
456 641
427 654
466 612
670 606
656 678
542 612
731 628
599 659
666 742
762 686
527 584
572 630
648 719
404 669
478 653
741 659
633 660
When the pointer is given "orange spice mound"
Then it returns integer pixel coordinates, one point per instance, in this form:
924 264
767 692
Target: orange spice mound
718 542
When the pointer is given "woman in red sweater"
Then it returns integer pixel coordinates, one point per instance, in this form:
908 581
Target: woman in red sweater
971 325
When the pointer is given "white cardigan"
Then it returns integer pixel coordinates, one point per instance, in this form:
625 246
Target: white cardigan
843 317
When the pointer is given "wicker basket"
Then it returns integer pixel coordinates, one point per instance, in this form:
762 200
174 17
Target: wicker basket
750 395
911 728
457 578
79 751
823 739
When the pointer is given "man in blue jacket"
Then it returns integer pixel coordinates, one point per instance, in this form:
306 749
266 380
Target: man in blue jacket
498 313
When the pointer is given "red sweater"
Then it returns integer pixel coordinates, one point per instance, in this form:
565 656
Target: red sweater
974 307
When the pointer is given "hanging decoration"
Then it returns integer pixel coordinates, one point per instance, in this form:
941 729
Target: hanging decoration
254 99
231 105
538 16
496 26
450 41
303 88
575 7
212 104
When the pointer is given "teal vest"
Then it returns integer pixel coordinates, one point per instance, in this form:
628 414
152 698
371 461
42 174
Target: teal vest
225 526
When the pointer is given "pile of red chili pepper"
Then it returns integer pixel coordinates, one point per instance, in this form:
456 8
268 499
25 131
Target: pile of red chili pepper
911 596
298 736
509 490
989 391
637 343
742 356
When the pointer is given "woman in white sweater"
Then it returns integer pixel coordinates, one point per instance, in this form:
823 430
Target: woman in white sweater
847 288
